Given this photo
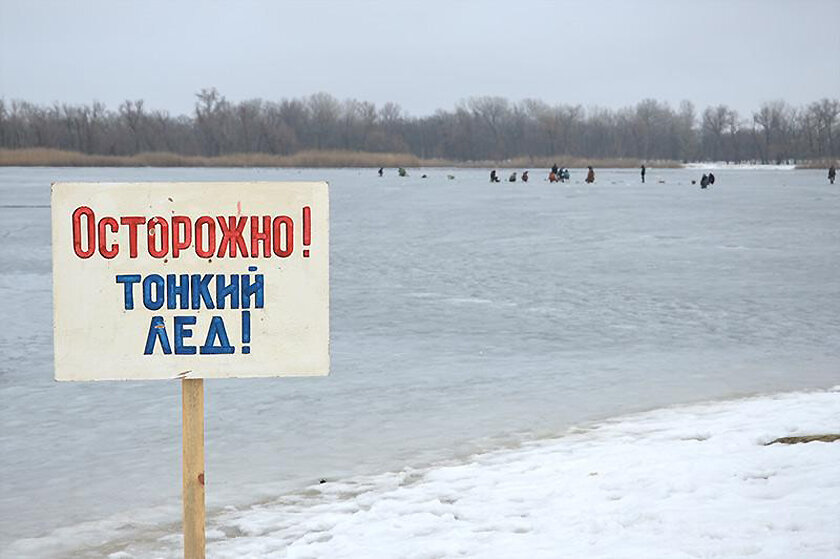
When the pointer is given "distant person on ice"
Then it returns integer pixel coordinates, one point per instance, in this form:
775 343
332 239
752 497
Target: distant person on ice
525 176
704 181
711 178
512 177
493 176
590 176
832 173
554 168
402 172
643 174
381 171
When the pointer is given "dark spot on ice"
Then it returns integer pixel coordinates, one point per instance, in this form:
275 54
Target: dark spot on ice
322 481
170 199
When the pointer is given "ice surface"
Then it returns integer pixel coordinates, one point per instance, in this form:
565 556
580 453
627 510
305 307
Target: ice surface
466 317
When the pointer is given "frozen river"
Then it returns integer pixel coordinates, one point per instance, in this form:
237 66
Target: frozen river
465 316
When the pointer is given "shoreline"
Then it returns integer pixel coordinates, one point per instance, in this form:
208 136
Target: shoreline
675 479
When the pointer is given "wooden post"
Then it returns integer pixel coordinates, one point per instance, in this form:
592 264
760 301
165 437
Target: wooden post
192 404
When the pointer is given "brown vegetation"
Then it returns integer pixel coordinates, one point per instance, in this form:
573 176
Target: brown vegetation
44 157
817 164
806 439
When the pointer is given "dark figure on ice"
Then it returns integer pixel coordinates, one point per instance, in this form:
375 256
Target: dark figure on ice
525 176
554 168
711 178
494 177
512 177
381 171
643 174
590 176
704 181
832 173
402 172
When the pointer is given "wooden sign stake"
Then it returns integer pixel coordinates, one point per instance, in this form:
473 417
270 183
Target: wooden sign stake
192 400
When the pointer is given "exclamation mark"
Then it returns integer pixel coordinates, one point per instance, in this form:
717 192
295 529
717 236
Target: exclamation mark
246 331
307 230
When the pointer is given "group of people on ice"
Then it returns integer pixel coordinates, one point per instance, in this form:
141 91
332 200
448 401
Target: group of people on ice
494 177
558 174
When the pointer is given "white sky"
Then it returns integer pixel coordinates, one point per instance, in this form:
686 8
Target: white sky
423 55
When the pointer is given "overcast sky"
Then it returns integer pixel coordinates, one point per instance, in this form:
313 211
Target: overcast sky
423 55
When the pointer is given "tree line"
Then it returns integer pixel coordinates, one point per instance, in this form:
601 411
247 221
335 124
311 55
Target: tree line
477 129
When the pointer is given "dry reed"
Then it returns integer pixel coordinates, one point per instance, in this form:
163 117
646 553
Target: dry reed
46 157
816 164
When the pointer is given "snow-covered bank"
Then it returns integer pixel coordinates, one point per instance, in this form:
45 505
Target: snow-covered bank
692 481
720 165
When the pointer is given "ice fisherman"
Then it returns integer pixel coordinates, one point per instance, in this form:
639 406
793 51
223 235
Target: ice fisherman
524 176
832 174
590 176
643 174
512 177
563 176
402 172
493 176
381 171
711 179
704 181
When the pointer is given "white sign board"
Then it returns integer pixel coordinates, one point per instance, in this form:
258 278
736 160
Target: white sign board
190 280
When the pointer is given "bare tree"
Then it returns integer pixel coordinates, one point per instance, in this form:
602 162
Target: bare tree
717 126
826 112
770 120
325 110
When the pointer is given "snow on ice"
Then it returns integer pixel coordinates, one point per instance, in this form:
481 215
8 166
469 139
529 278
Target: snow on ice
692 481
683 482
